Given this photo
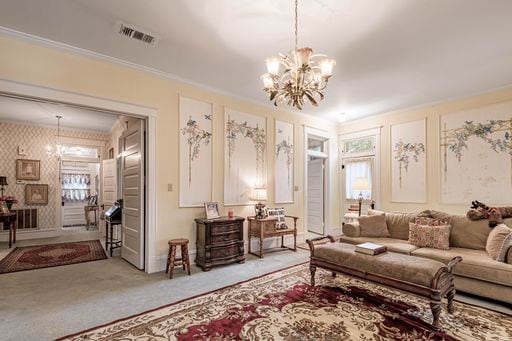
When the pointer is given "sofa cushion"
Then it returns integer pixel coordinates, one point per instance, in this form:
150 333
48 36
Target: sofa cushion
495 240
398 223
373 226
436 236
475 264
393 244
506 247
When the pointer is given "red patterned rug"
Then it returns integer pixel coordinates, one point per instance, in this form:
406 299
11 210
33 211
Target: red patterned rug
46 256
283 306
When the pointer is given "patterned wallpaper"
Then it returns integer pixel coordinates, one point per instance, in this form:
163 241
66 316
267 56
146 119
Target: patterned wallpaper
35 139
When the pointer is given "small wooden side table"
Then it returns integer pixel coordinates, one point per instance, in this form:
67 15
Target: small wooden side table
265 228
10 218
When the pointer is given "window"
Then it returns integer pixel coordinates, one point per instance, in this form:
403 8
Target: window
79 152
360 145
358 168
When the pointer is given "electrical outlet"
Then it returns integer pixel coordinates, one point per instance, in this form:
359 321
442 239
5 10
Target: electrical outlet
169 187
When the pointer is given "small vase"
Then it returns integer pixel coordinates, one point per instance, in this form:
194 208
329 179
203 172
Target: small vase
3 207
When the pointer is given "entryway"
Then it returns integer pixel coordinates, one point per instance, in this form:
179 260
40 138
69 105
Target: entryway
317 158
70 173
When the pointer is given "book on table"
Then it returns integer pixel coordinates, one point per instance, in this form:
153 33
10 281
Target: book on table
370 248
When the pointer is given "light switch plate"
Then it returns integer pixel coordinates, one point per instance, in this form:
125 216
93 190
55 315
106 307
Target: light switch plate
296 188
169 187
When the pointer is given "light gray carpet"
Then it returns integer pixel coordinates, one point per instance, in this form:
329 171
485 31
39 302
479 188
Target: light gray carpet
49 303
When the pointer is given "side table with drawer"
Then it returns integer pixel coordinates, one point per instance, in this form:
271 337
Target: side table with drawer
219 241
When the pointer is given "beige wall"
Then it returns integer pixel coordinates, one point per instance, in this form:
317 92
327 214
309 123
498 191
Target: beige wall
432 114
37 65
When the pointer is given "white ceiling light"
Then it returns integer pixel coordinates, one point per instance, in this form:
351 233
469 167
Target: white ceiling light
304 77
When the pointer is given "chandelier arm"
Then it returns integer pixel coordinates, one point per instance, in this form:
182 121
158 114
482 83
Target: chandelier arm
296 22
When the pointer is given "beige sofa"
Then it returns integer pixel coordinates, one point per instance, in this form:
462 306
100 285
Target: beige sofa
477 274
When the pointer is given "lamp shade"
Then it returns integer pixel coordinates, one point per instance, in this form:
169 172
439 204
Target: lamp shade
361 184
3 181
259 194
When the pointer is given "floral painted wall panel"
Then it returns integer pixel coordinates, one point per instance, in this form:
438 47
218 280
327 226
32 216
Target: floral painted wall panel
408 163
476 155
195 152
244 156
283 162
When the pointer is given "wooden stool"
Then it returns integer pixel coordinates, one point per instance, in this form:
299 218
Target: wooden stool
171 258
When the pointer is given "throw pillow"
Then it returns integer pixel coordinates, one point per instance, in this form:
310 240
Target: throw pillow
495 240
279 214
430 221
507 244
437 237
373 226
398 223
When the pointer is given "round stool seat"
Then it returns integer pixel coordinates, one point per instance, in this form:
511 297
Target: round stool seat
178 241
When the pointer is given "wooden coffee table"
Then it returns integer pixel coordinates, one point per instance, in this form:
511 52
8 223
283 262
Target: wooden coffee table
421 276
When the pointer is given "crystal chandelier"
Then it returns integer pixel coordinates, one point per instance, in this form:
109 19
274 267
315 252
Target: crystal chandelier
305 75
57 149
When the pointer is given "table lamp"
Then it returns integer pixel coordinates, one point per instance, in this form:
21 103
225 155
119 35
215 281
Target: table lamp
259 194
361 184
3 182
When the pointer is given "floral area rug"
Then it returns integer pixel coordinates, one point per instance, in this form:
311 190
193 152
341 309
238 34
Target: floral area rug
45 256
283 306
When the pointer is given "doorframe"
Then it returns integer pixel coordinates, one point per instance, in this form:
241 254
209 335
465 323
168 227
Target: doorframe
150 114
329 182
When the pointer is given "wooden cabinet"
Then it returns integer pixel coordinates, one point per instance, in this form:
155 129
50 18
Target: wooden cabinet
219 241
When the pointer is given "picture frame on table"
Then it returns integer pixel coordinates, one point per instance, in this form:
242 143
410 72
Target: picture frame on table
212 210
28 169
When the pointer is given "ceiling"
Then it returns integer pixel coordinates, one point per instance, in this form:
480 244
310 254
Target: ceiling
391 54
43 114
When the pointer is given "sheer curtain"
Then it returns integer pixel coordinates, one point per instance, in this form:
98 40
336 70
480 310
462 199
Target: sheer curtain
357 168
75 187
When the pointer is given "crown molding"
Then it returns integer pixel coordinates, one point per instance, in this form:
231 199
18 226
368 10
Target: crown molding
5 31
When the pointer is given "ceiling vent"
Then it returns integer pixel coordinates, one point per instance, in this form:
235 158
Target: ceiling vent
130 31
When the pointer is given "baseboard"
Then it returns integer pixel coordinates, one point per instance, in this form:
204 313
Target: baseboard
158 263
37 234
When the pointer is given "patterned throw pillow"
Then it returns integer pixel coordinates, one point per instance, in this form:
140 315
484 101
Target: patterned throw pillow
279 214
430 221
437 237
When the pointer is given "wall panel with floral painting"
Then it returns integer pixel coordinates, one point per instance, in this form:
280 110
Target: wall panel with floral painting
476 155
283 173
195 131
409 162
245 143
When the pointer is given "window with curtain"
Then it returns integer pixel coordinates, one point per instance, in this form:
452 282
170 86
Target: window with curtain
358 168
75 187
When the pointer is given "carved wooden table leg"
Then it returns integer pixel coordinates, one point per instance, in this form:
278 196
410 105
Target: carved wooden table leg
185 258
450 296
436 313
312 269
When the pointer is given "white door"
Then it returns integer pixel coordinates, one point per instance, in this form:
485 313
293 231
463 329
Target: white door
109 183
132 191
315 215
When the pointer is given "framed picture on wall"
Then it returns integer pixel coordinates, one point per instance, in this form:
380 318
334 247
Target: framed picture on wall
212 210
36 194
28 169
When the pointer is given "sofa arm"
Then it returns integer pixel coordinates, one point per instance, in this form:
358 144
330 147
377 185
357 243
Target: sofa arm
509 256
351 229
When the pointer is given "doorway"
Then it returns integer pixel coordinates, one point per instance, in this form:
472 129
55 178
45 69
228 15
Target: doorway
74 179
317 159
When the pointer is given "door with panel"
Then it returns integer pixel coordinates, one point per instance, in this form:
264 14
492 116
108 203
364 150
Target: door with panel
315 196
108 184
133 194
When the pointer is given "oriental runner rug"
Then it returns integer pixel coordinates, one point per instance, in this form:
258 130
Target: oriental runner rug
45 256
283 306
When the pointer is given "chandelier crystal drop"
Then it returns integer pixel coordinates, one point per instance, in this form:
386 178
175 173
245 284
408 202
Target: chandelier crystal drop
304 77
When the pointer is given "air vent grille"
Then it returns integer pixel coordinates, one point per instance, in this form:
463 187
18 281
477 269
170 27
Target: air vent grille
131 31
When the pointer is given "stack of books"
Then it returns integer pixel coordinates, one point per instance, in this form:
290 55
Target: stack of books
370 249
